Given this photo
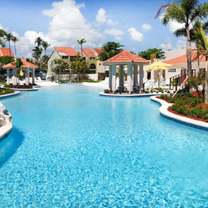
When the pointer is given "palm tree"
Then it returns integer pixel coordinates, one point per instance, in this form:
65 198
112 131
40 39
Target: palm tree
202 47
182 32
8 37
79 66
82 41
45 45
37 53
39 41
186 12
2 34
15 39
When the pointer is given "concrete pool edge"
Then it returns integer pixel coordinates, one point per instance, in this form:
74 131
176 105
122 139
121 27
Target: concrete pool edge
180 119
7 126
130 95
10 94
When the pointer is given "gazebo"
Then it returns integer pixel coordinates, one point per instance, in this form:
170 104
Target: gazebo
26 66
133 62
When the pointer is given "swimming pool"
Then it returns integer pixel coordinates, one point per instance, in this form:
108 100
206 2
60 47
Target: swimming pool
71 147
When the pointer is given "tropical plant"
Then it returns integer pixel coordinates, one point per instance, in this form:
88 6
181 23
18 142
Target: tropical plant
2 34
45 45
39 41
8 37
146 54
109 50
15 39
37 53
59 65
185 12
79 66
81 42
18 64
6 59
195 81
202 48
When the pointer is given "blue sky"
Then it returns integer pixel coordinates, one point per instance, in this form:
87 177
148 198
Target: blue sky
64 22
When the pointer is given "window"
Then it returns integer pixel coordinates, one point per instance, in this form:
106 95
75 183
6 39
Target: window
172 70
99 63
72 58
92 58
92 66
64 57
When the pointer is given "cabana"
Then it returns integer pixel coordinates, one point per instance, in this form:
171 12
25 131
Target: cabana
26 66
133 62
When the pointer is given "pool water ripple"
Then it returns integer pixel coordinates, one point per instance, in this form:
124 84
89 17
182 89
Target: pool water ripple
79 149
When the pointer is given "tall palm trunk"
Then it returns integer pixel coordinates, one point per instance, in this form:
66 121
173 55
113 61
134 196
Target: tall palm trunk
15 49
206 83
188 51
9 49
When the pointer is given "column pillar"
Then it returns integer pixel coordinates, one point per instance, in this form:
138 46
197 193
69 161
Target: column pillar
140 77
27 76
135 76
129 78
33 75
14 76
8 76
121 78
114 77
110 77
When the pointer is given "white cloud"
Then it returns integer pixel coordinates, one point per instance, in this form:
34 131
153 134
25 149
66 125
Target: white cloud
68 23
101 16
146 27
135 35
110 22
118 38
166 47
113 31
181 43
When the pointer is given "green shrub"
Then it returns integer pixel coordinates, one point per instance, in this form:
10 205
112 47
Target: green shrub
206 117
157 91
146 91
151 91
162 96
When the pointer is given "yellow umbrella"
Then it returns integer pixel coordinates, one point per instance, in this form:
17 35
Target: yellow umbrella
159 65
155 68
21 73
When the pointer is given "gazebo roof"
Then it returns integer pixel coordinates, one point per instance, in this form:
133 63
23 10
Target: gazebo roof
26 64
126 57
8 66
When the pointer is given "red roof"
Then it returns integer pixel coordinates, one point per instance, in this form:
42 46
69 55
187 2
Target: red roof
66 51
79 52
6 52
183 59
88 52
28 64
25 65
98 50
8 66
126 57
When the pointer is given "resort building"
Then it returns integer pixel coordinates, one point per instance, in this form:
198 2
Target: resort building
6 52
68 54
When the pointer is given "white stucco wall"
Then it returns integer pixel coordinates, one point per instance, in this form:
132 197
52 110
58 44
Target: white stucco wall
54 55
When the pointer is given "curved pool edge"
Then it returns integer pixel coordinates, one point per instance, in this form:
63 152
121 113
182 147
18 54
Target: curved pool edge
180 119
129 95
10 94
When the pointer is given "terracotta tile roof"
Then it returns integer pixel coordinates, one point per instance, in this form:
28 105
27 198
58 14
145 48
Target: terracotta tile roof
88 52
66 51
6 52
79 52
126 57
8 66
98 50
183 59
28 64
25 64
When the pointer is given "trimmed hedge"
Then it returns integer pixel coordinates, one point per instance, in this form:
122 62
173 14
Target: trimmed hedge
4 91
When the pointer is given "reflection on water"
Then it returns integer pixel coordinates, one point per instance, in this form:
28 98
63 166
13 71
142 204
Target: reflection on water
9 145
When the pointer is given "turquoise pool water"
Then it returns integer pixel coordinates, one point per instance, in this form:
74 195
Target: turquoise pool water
71 147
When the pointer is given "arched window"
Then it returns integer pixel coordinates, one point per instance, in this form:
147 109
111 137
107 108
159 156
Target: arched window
92 66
